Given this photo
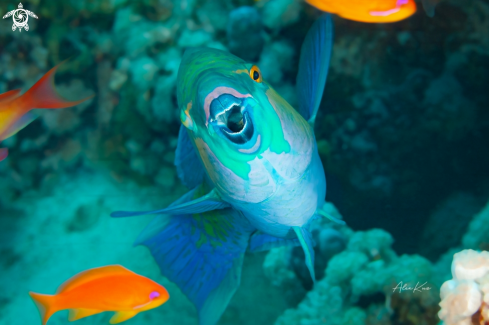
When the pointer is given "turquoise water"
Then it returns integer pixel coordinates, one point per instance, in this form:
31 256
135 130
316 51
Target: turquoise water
401 131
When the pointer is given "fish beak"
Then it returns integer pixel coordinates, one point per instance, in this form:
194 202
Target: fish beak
232 117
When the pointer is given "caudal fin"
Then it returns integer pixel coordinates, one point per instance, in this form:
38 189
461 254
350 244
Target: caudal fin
44 95
202 254
45 305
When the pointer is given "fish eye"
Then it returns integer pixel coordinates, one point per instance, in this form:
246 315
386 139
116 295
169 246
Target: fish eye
154 294
255 74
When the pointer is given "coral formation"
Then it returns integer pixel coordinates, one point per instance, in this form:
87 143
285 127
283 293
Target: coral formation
401 133
364 283
465 298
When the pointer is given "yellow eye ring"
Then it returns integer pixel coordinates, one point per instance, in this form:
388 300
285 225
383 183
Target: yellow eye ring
255 74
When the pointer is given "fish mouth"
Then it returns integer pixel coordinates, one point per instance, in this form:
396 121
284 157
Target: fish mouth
232 117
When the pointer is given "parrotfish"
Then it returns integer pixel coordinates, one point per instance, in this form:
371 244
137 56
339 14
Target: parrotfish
252 164
106 288
14 108
368 11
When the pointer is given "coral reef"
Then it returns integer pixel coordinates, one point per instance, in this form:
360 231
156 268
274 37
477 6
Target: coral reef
448 223
366 283
465 298
402 118
477 236
401 134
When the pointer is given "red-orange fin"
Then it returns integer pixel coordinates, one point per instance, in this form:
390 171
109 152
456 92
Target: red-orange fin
44 95
45 305
93 274
9 95
3 153
21 123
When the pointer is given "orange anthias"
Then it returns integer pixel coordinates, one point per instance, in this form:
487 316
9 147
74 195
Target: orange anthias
106 288
368 11
14 108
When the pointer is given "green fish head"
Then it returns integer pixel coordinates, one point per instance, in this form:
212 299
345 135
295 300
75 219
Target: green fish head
234 117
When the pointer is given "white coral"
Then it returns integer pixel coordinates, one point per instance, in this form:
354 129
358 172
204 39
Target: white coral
461 299
470 265
463 296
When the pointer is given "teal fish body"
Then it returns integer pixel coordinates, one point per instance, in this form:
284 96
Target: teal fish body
258 152
252 166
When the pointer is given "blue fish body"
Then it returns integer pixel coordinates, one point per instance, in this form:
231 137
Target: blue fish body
252 165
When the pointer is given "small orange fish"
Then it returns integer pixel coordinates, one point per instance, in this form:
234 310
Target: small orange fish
106 288
14 108
368 11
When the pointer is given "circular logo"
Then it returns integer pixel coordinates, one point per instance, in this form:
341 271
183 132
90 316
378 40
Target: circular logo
20 17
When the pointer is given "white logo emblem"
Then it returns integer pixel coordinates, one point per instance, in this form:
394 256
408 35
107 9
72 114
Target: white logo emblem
20 17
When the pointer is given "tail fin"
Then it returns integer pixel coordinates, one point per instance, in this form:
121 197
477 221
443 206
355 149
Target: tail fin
45 305
44 95
202 253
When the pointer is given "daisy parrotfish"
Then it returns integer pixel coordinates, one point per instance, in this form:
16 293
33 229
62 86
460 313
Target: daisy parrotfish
252 165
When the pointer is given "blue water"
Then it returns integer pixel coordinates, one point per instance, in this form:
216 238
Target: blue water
402 134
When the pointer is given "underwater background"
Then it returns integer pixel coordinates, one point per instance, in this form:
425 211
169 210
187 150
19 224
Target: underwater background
402 133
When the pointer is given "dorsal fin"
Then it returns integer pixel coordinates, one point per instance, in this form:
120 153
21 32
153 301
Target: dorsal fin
313 67
93 274
189 168
9 95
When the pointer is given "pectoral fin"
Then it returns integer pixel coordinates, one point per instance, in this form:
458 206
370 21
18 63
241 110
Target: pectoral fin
121 316
307 243
208 202
79 313
189 168
323 213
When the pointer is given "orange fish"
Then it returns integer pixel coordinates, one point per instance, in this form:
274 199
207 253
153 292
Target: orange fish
368 11
106 288
14 108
